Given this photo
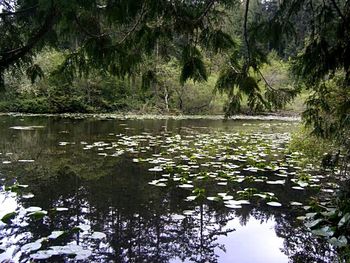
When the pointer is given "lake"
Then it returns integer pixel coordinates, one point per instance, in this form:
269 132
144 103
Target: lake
123 190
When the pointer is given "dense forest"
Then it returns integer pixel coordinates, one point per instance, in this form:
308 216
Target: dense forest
174 57
179 57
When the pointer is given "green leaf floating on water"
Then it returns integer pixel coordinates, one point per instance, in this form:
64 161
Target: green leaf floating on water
339 242
345 219
324 231
16 187
38 214
313 223
7 219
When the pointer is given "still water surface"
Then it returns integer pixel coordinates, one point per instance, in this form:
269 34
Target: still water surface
91 190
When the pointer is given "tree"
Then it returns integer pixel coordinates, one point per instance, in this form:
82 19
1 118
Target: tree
113 36
118 36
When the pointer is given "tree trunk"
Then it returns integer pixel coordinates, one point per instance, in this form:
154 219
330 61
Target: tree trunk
2 80
166 99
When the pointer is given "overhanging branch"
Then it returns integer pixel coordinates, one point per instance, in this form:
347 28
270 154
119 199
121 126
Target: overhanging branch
138 21
10 57
245 29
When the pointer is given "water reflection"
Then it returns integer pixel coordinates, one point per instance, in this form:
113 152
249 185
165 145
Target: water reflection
112 196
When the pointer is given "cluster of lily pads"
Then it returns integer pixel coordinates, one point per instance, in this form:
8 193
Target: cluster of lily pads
42 248
322 225
330 221
217 166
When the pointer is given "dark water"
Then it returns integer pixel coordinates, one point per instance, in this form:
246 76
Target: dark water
88 168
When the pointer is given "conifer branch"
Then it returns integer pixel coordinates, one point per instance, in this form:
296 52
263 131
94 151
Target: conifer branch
205 11
138 21
265 80
245 29
10 57
87 32
338 10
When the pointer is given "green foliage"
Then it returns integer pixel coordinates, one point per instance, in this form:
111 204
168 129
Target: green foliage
217 40
7 219
309 146
34 72
328 109
116 37
192 65
102 92
264 89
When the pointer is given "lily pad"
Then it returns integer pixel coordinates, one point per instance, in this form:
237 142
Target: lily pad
28 196
84 227
296 203
33 209
324 231
276 182
83 254
177 217
60 209
214 198
31 246
7 219
38 214
233 206
297 188
313 223
188 212
191 198
186 186
98 235
42 254
276 204
55 234
339 242
345 219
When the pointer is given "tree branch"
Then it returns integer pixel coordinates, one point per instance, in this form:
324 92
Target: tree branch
88 33
266 82
338 10
245 29
199 18
205 11
138 21
12 56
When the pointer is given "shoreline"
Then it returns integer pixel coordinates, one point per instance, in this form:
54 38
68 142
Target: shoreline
133 116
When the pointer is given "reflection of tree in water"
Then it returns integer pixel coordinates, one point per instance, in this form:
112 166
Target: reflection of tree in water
299 244
137 218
